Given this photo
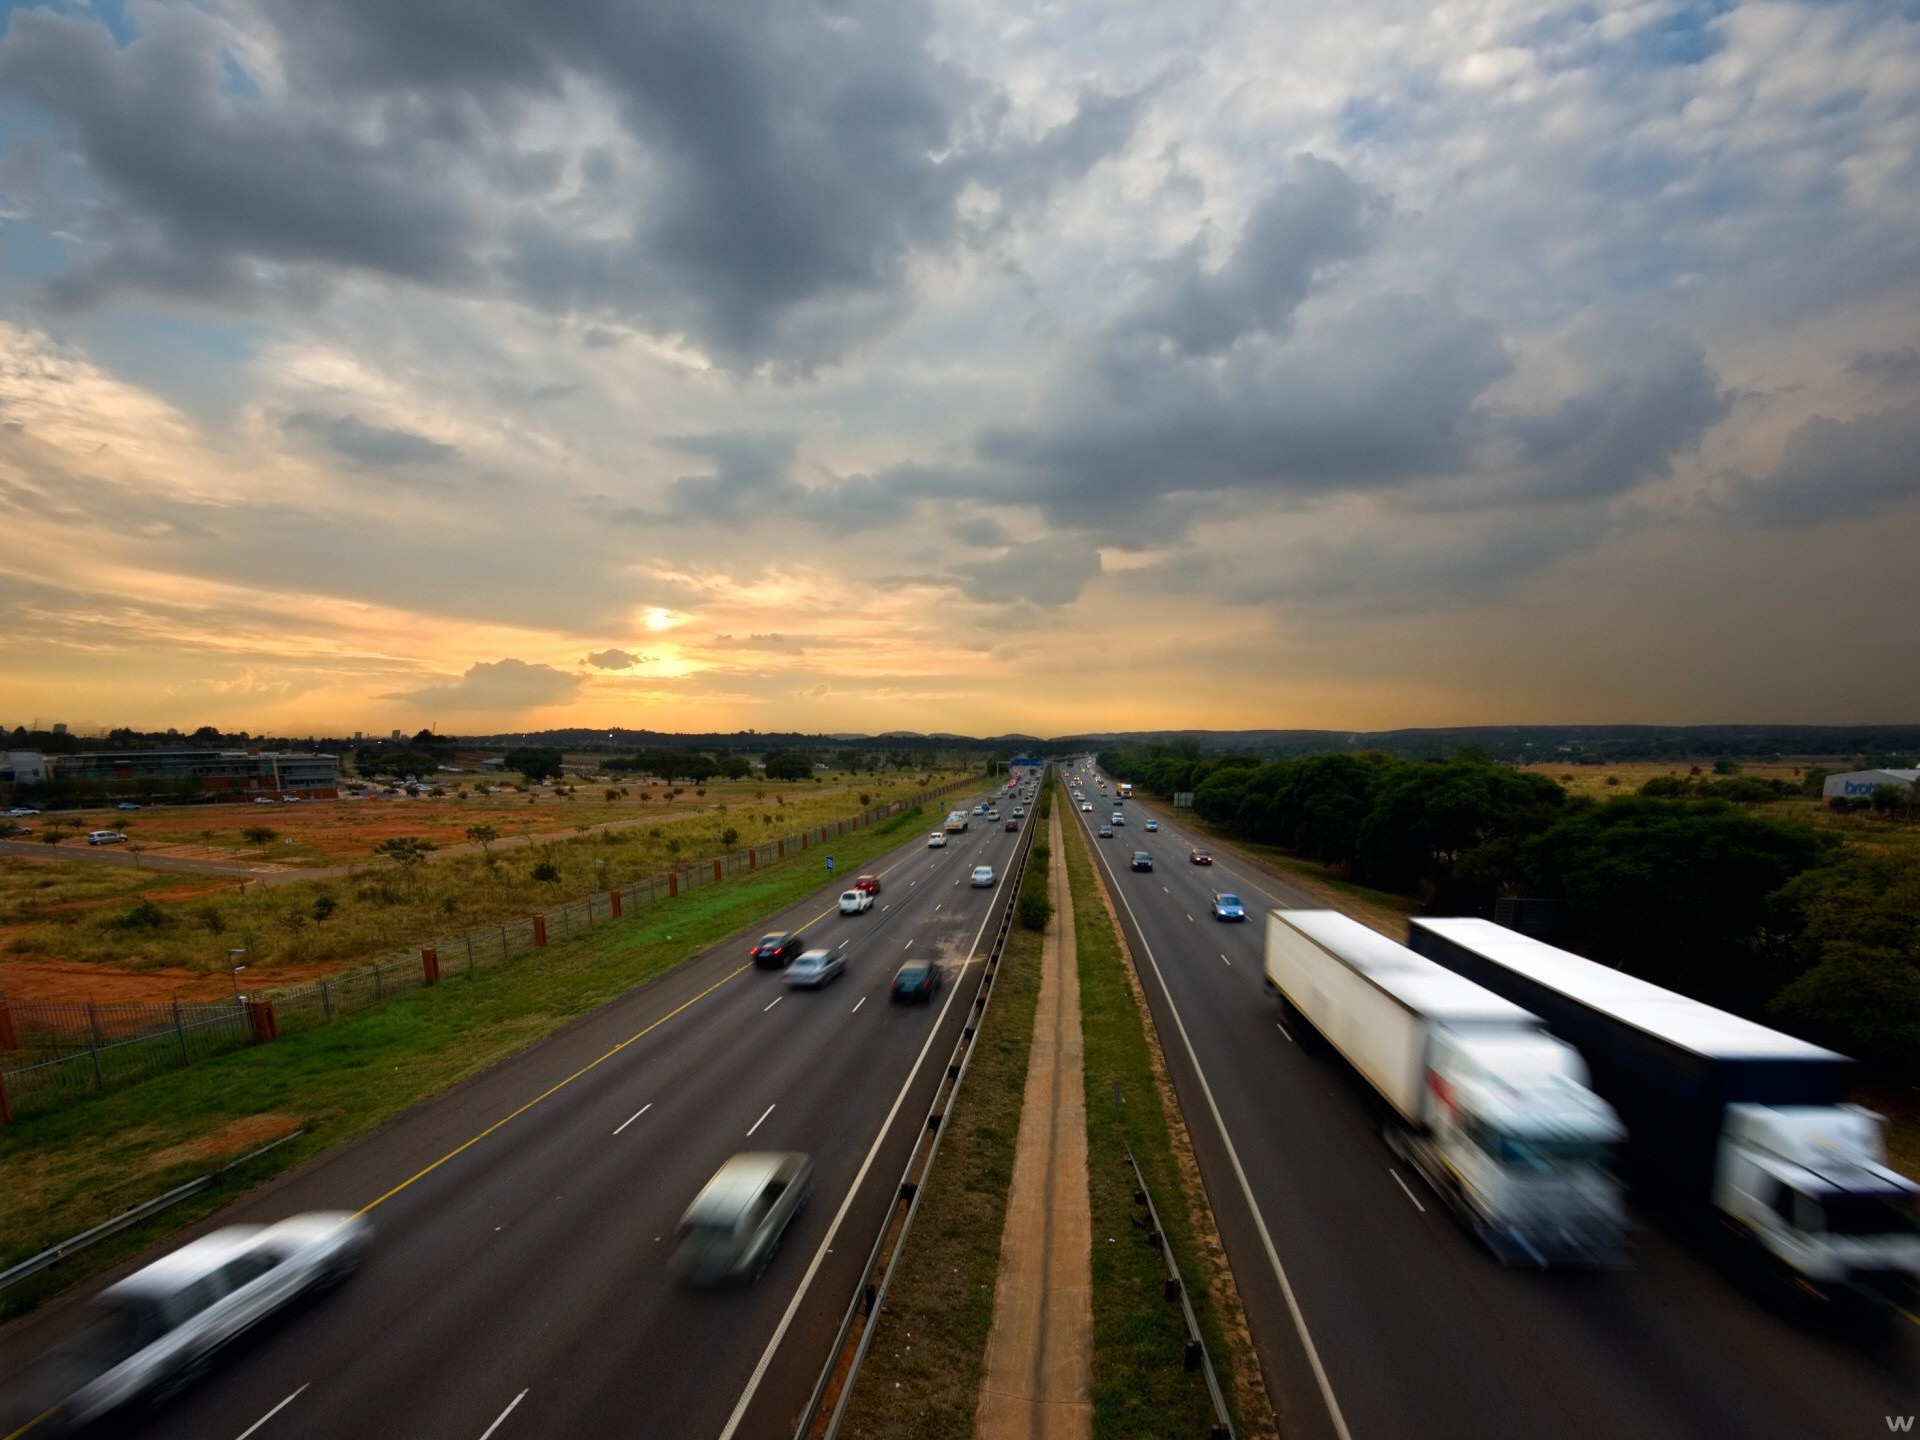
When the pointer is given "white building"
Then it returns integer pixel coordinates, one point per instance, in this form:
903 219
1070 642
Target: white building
1860 784
23 767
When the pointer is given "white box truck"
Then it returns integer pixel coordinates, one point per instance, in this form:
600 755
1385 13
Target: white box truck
1746 1129
1492 1110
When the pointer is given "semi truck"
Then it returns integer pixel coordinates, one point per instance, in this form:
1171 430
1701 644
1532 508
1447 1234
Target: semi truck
1492 1110
1747 1130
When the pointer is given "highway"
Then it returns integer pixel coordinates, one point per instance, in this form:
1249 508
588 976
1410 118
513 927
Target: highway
517 1284
1374 1315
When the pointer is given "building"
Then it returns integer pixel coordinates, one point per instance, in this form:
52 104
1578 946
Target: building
1860 784
22 767
270 772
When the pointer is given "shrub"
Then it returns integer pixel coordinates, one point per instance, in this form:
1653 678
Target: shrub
259 834
546 872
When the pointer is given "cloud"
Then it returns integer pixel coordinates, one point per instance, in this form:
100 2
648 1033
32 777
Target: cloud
1039 572
1892 368
373 446
499 685
615 660
751 476
757 177
1834 469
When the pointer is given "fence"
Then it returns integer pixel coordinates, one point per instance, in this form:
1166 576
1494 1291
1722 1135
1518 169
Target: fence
51 1051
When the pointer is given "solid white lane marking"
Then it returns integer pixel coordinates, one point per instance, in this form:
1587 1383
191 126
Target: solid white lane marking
1321 1378
776 1000
271 1413
635 1116
1403 1186
763 1118
487 1434
858 1003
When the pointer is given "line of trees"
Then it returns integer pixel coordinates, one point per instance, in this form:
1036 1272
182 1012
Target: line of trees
1767 917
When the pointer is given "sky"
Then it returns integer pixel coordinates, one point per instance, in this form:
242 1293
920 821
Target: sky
958 365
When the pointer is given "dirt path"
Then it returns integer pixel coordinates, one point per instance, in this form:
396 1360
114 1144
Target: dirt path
1038 1375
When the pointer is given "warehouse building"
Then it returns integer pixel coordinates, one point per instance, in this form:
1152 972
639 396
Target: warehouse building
267 773
1860 784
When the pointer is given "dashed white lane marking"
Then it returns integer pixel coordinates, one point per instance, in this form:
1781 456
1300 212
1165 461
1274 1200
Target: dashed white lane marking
909 944
763 1117
1283 1030
273 1412
1225 958
775 1001
1403 1186
635 1116
487 1434
858 1003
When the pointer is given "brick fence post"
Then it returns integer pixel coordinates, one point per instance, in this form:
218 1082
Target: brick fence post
264 1023
753 858
6 1110
8 1040
539 930
673 882
430 964
783 848
613 898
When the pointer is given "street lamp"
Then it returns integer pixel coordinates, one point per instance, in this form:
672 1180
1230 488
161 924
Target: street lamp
233 973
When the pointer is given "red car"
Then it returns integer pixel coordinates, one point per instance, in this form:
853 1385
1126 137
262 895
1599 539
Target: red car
1200 857
1012 825
868 883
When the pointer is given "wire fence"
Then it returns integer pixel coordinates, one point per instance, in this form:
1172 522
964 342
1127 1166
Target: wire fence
52 1051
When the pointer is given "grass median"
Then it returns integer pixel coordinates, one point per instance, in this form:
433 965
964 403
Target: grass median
66 1169
1140 1388
921 1377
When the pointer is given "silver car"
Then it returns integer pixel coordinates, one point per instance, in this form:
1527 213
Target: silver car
734 1224
815 968
156 1331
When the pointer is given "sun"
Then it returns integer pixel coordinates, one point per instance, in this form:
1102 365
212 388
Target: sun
658 619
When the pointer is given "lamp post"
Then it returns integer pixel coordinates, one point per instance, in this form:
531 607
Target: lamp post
233 972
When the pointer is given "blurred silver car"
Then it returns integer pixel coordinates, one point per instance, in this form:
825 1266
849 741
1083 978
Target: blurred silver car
734 1224
815 968
154 1332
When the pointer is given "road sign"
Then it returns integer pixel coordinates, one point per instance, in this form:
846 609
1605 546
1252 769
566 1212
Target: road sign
1183 800
829 864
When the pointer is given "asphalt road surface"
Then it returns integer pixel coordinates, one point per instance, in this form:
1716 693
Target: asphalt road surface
1399 1327
524 1220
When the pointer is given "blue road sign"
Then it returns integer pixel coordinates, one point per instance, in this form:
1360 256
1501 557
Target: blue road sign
829 864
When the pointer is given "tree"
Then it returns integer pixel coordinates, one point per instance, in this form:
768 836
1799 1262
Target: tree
259 834
789 765
1858 922
535 762
546 872
735 767
483 836
406 851
729 838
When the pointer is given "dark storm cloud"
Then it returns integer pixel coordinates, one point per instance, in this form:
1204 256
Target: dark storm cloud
1315 216
751 475
1833 469
1892 368
374 446
797 156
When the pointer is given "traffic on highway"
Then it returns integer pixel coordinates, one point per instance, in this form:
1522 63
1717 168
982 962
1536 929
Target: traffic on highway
1375 1312
568 1244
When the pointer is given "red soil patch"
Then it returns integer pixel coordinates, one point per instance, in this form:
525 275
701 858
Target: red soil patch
233 1139
74 980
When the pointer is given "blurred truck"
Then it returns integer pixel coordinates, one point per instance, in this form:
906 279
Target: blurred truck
1488 1106
1747 1129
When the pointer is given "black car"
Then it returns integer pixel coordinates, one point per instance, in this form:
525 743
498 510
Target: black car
917 980
777 950
1142 860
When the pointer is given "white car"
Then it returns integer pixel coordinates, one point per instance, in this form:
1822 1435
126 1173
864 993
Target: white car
982 876
855 902
1118 818
937 840
21 811
105 837
994 814
163 1324
815 968
1087 808
1152 826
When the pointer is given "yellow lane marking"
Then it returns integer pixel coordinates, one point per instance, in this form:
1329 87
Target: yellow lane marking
545 1094
45 1413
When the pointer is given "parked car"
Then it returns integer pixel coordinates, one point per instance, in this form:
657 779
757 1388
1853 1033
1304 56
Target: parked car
128 805
20 812
982 876
1228 907
868 883
268 799
937 840
1141 861
777 950
1106 832
817 968
163 1324
105 837
734 1225
855 902
917 980
1197 856
1153 826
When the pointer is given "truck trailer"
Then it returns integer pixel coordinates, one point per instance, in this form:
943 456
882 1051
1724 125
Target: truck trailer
1746 1129
1492 1110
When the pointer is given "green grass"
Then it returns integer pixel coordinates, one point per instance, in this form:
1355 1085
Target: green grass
29 887
65 1169
1139 1386
921 1378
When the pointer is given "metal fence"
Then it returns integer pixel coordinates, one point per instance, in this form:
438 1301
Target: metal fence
51 1051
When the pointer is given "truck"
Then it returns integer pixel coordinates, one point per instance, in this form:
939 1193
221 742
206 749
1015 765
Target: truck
1493 1111
1126 789
957 822
1746 1131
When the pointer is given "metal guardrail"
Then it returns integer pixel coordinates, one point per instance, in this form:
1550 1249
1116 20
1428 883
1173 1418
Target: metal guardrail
1195 1357
890 1244
56 1253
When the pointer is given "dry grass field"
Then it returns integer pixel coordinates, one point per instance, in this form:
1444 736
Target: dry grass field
71 930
